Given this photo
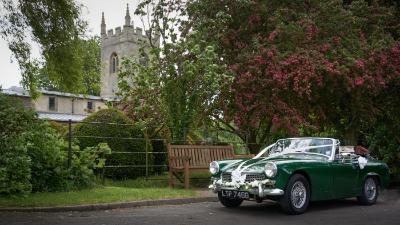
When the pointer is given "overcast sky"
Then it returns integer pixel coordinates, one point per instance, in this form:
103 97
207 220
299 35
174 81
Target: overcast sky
114 11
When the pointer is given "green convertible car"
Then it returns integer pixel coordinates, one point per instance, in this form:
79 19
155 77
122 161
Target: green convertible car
295 171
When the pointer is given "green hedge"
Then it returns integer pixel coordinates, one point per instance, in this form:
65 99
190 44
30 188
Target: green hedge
118 131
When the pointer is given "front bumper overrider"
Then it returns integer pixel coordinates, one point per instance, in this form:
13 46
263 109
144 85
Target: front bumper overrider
261 188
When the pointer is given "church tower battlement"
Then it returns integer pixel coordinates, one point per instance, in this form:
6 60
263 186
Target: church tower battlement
117 44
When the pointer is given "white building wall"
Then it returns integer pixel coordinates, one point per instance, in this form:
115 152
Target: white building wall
68 105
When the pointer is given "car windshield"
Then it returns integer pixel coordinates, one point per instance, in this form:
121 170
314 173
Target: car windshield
320 146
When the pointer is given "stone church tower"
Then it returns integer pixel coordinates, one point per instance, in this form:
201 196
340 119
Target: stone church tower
124 42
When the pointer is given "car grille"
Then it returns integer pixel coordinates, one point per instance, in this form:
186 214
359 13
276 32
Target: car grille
250 177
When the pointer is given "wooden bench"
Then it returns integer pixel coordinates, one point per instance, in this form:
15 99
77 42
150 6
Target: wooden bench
186 158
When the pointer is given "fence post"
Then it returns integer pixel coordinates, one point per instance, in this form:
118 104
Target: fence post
147 154
69 143
103 171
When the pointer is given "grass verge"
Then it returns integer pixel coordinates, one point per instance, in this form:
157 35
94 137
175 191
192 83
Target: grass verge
197 180
107 194
155 187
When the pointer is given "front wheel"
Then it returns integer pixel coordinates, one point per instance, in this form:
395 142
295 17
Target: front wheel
297 195
227 202
369 193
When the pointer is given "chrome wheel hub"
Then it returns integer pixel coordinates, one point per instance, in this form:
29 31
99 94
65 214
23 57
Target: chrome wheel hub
370 189
298 194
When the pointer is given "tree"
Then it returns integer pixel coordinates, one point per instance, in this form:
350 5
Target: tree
299 63
177 91
182 79
56 27
90 70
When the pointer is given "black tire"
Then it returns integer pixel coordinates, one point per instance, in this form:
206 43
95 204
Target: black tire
294 187
230 203
369 196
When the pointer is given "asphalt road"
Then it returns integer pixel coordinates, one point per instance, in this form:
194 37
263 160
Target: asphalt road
342 212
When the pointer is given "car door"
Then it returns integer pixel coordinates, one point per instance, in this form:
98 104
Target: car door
345 172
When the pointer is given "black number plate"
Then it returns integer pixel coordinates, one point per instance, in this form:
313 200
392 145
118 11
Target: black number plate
235 194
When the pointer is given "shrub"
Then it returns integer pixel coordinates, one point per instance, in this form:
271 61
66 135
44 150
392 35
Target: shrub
33 154
117 130
384 145
47 152
84 163
15 172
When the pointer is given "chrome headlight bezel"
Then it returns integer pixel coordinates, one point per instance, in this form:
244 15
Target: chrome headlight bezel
270 169
214 167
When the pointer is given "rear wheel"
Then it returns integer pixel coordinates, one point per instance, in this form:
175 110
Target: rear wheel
369 193
297 195
228 202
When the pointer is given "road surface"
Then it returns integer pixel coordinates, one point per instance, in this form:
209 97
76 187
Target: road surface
340 212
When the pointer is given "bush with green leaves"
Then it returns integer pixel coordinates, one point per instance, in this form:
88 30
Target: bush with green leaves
15 164
49 169
34 155
46 150
84 163
124 138
384 144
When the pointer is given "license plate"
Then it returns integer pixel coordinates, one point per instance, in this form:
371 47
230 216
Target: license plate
235 194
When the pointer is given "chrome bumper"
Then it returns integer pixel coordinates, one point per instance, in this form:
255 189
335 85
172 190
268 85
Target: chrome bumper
259 189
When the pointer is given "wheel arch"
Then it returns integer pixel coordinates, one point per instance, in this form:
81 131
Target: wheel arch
374 175
304 174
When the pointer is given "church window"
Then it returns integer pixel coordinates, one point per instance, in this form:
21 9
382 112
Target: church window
114 63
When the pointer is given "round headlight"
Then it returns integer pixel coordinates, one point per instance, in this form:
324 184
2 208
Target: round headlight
270 169
214 167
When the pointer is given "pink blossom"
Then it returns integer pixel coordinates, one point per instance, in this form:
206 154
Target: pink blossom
383 60
312 31
272 36
330 67
362 37
271 54
291 60
254 19
275 120
359 81
325 47
360 63
260 60
336 40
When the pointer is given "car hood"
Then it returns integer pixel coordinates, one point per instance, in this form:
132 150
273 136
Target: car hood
257 165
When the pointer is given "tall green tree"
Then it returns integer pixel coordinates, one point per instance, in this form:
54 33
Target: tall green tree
56 27
90 70
177 92
183 78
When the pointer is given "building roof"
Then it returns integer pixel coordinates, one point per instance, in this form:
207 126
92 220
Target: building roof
61 117
19 91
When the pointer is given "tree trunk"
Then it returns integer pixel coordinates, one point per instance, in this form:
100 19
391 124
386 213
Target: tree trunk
252 143
350 136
